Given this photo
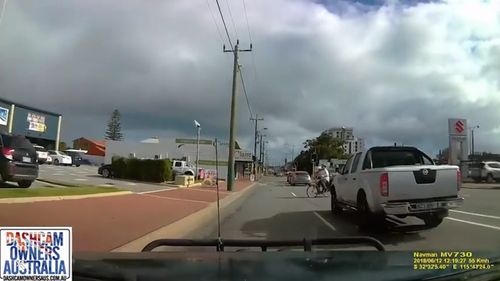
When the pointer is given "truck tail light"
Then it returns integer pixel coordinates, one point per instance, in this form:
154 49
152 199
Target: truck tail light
459 179
384 184
7 152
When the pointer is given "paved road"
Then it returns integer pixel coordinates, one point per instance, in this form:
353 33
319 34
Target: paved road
278 211
87 175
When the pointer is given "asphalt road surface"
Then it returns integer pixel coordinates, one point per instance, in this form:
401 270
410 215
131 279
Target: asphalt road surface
87 175
277 211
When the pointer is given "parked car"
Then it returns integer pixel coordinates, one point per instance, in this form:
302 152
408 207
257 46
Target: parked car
42 154
18 160
488 170
76 156
401 181
106 171
300 177
60 158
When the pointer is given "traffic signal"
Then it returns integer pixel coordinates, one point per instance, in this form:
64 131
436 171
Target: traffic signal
314 157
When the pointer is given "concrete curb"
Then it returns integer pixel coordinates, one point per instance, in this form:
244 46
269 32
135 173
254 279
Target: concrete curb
65 197
59 183
185 186
189 224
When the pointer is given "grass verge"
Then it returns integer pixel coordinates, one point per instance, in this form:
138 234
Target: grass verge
55 191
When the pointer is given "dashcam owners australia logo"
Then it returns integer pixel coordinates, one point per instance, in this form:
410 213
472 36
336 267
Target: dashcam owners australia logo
35 253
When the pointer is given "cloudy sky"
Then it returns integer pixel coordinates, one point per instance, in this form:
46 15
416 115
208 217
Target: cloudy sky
393 70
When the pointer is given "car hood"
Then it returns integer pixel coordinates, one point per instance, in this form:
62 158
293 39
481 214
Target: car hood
291 265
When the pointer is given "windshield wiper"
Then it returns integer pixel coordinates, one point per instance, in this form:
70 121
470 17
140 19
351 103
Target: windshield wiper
307 244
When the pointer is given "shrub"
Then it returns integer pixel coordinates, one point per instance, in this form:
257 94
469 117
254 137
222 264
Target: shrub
142 170
119 167
168 173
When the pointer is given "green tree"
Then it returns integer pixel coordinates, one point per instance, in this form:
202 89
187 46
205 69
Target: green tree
326 146
114 130
62 146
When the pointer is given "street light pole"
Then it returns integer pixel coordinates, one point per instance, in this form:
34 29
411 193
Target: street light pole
472 139
198 126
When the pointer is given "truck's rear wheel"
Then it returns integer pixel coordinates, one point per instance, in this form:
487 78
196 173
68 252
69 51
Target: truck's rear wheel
335 207
362 209
432 220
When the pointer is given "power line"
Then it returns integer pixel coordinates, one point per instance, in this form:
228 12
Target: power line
246 96
215 22
232 20
251 40
246 18
225 26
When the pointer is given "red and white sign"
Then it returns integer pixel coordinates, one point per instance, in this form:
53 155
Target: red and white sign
457 127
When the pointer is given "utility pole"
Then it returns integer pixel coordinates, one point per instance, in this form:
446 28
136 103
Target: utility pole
232 123
256 120
264 157
260 149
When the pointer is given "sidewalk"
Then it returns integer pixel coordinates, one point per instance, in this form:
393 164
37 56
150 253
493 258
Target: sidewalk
106 223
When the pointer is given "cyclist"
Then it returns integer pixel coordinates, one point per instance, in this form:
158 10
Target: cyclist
323 179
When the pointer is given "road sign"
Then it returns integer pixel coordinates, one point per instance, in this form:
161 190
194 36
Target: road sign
193 141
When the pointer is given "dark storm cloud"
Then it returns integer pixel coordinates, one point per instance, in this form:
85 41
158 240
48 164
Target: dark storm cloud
380 69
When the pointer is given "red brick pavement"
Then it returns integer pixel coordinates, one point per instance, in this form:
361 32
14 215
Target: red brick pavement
105 223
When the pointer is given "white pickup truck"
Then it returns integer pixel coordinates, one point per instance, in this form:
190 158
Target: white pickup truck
401 181
183 168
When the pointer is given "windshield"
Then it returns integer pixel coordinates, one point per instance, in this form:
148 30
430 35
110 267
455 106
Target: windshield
297 119
386 158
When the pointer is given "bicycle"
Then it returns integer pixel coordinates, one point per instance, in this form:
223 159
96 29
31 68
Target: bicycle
312 189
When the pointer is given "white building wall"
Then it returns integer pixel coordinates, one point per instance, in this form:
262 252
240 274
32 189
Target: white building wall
169 149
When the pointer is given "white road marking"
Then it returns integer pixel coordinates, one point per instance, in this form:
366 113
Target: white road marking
107 185
325 222
81 179
293 194
158 190
475 223
57 174
476 214
131 183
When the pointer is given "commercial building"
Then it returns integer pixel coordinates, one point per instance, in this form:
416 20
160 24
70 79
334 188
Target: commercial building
93 147
39 126
352 144
180 148
341 132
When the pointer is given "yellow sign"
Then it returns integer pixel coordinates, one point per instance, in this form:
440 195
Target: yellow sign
36 122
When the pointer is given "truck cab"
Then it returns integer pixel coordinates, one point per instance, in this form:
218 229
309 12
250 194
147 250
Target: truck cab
183 168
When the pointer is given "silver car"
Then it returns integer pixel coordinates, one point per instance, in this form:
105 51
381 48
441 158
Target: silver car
300 177
488 170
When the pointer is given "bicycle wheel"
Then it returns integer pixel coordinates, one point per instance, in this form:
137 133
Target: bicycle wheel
311 191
